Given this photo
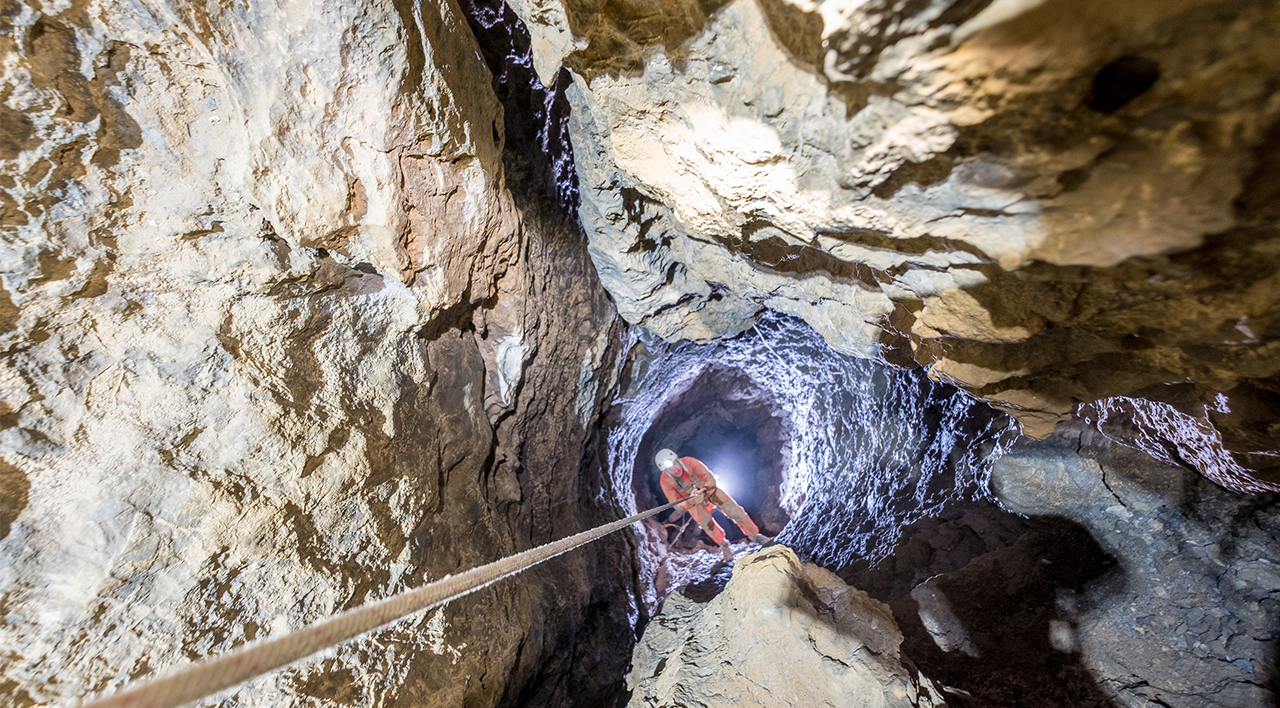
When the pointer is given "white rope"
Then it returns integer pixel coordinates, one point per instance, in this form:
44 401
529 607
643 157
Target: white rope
209 676
775 351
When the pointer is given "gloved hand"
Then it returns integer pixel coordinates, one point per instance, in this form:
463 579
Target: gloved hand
697 496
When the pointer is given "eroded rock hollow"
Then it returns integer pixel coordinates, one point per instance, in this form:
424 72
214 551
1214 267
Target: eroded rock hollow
972 305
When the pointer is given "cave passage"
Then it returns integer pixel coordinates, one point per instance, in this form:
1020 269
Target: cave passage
833 454
736 427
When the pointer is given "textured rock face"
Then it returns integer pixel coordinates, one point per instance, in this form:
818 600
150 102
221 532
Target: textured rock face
1087 573
286 328
1046 202
1128 583
866 448
782 633
1231 439
1094 576
1194 568
278 341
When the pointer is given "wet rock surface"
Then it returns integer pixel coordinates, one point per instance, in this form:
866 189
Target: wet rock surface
781 633
738 429
1045 203
1233 438
867 448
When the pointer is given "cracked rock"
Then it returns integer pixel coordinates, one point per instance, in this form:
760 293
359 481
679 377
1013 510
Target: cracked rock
781 633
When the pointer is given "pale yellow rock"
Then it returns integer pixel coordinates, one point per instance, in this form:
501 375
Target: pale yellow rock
956 372
553 40
1038 414
782 633
958 314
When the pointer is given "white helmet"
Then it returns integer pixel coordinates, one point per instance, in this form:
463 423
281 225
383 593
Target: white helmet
666 459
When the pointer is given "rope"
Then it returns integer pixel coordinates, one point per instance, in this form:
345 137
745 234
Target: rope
770 347
209 676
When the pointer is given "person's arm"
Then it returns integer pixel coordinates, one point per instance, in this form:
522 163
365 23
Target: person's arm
701 475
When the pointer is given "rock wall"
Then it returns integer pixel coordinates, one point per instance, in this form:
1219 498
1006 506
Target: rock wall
1046 203
1188 614
782 633
277 341
865 448
287 326
1103 578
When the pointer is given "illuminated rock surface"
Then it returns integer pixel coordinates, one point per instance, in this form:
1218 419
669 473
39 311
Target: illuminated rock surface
1046 203
279 341
864 449
782 633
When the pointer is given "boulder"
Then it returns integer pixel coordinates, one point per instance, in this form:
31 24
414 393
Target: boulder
1100 577
782 633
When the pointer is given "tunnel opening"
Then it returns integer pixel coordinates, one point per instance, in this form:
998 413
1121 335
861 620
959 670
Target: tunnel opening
830 453
735 426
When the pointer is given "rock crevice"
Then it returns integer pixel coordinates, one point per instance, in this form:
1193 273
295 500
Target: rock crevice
289 329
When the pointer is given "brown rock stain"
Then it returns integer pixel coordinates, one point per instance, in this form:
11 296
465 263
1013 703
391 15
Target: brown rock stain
9 312
117 130
14 490
54 62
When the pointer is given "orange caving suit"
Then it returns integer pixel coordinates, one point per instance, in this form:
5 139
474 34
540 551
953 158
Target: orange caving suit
688 476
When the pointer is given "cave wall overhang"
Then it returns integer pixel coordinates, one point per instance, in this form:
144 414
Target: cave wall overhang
1045 204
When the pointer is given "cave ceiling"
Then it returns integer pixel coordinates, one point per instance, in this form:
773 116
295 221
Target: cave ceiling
1044 203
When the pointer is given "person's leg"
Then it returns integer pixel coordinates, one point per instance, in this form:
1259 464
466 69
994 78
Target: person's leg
734 510
701 515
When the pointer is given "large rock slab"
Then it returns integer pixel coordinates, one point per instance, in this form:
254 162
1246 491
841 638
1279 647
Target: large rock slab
782 633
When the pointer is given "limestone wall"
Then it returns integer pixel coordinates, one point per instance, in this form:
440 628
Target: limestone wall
277 340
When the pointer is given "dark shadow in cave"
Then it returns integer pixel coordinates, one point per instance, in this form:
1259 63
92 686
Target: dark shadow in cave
736 428
988 603
535 118
1273 681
